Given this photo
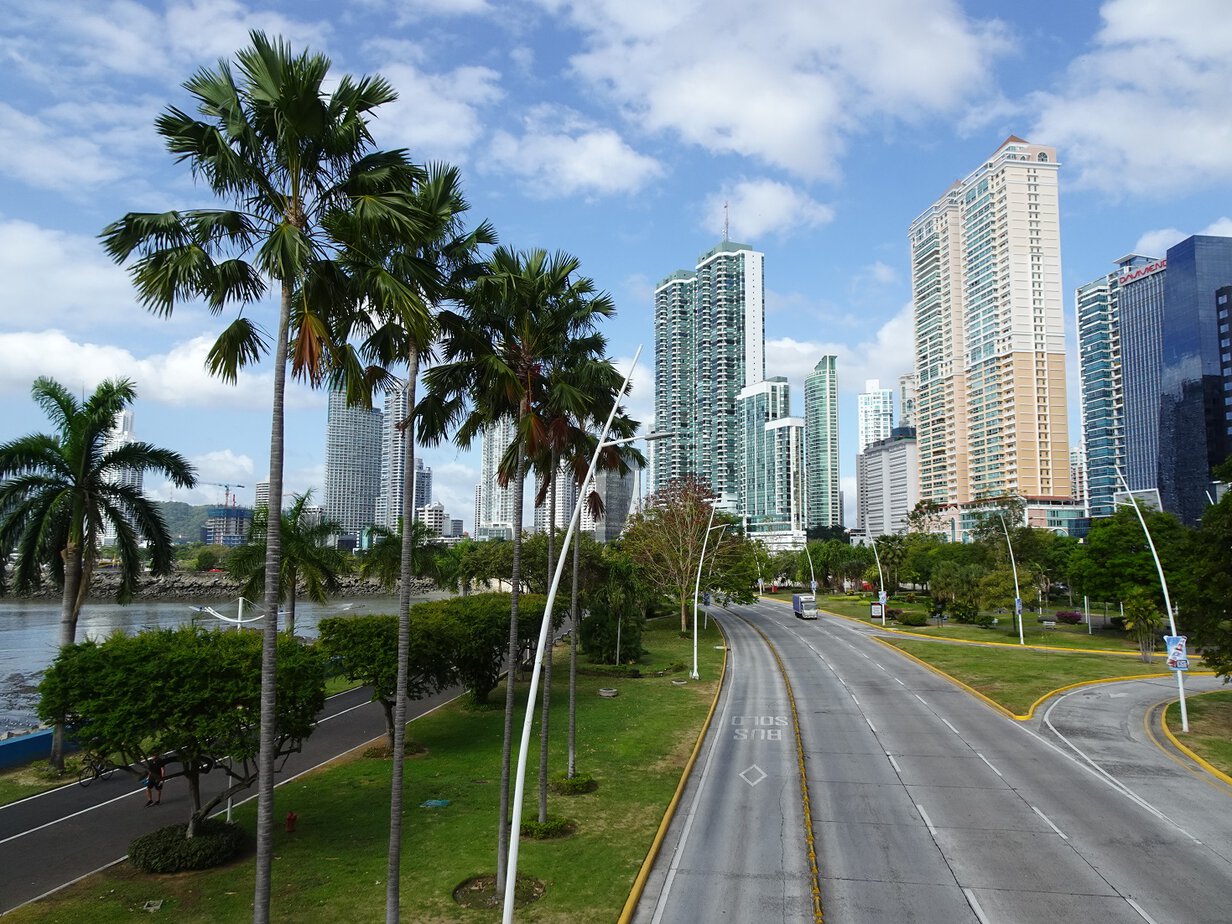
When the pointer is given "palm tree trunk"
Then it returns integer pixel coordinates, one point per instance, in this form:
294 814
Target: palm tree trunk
393 872
502 846
69 608
546 709
269 639
573 652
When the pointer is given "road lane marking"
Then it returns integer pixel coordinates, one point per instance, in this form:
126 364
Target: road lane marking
975 906
1138 908
880 667
894 764
870 724
920 698
923 814
853 698
1048 821
987 761
755 775
949 726
899 682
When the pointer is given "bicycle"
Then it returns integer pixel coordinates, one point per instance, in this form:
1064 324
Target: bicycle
94 768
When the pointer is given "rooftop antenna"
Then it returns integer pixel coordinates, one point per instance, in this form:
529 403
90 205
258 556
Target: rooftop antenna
726 224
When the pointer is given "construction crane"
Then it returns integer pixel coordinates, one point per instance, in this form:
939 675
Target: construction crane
228 498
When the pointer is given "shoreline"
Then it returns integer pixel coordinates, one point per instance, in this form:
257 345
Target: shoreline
193 586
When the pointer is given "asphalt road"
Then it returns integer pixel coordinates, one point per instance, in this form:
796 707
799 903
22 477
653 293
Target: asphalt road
59 836
929 806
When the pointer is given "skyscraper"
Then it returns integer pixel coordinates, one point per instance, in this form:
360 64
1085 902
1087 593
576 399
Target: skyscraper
888 481
352 464
494 508
1097 314
875 409
823 504
617 493
989 333
1193 436
1140 315
771 449
393 461
906 400
709 344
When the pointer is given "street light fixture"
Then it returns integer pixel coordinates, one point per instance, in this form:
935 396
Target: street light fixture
1180 675
515 828
697 585
881 595
1017 595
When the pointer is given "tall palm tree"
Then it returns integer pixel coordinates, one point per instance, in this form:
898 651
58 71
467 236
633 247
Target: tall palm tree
520 319
402 279
307 558
59 491
383 560
292 158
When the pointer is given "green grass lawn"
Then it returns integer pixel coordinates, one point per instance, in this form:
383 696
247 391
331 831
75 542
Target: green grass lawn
1017 678
332 868
1210 727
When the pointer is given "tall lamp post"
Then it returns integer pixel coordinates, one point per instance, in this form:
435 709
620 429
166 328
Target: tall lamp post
1014 567
1163 583
515 828
881 595
812 574
697 585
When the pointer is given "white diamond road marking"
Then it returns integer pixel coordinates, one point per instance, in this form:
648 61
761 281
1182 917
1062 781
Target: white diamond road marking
753 775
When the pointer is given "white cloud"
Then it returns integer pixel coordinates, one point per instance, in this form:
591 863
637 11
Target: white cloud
885 356
1155 243
436 116
875 274
559 153
783 82
759 207
1146 111
49 156
177 378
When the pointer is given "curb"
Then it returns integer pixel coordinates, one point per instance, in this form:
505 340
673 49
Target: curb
1176 743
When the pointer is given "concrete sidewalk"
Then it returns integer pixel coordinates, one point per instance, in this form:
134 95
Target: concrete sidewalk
50 840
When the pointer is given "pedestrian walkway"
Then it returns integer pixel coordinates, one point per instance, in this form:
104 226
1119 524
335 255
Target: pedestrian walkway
52 839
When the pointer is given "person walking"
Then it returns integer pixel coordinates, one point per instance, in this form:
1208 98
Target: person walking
157 772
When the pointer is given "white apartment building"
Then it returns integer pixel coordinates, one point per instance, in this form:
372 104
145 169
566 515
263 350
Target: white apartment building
352 464
888 476
494 508
823 495
875 413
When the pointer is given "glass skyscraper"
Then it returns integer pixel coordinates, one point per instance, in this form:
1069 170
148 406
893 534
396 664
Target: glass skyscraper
875 410
709 344
823 504
1140 308
352 464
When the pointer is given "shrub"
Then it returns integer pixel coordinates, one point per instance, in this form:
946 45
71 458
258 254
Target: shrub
965 612
1069 617
579 784
555 826
984 620
609 670
167 850
912 618
894 613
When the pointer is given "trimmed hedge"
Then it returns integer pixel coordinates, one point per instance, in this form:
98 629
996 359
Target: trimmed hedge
167 850
555 826
912 618
575 786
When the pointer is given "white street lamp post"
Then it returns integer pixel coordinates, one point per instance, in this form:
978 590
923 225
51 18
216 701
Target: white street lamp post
697 586
1163 583
515 828
1017 595
812 574
880 577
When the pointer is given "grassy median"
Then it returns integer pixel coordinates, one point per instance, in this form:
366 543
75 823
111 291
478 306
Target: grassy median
332 869
1015 678
1210 727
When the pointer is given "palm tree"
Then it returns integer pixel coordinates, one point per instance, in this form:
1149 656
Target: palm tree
526 315
402 279
383 560
59 492
307 558
293 160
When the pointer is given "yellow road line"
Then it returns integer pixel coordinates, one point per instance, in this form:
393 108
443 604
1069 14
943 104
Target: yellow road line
1176 743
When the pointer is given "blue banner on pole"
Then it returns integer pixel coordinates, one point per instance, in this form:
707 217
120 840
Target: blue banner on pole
1178 658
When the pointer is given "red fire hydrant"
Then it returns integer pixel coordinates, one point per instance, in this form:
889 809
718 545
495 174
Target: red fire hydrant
291 819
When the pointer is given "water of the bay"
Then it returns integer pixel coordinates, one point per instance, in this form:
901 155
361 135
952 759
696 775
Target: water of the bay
29 630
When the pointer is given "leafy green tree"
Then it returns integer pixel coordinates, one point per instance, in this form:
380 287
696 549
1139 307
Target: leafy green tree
893 551
308 561
1116 559
1206 598
207 559
524 317
365 649
289 148
190 694
451 567
60 491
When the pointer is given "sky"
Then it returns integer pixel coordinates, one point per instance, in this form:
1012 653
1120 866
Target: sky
615 130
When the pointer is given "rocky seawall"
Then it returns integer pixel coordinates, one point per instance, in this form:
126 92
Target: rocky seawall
195 586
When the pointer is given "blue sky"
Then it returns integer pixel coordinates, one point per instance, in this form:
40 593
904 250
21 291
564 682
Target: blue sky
613 129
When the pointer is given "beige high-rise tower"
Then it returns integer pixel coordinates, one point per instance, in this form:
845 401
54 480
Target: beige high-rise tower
990 335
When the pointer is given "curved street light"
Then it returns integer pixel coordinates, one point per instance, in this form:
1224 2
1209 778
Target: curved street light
697 585
1017 595
881 595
